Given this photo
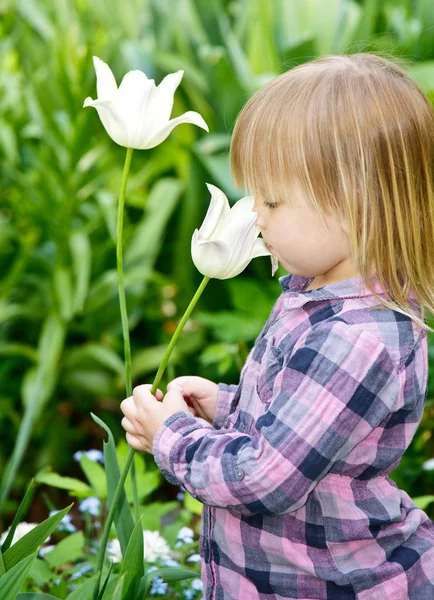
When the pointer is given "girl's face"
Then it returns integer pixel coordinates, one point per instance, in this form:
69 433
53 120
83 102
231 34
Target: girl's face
302 243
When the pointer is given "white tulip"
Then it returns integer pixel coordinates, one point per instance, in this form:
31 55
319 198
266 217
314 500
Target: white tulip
155 548
137 114
21 530
227 240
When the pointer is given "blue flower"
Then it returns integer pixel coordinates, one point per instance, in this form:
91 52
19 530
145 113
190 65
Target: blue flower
92 505
185 535
169 562
197 584
193 558
158 587
84 569
95 455
65 524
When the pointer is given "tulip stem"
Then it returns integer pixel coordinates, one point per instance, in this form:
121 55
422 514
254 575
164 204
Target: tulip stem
132 451
123 307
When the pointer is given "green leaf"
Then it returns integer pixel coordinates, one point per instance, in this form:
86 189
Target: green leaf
65 483
86 355
243 290
39 383
423 74
117 592
148 360
169 575
104 586
12 582
20 514
123 519
133 563
423 501
231 326
32 540
95 474
146 482
83 591
8 142
41 573
153 511
67 550
81 263
148 234
35 596
62 283
36 15
261 44
192 504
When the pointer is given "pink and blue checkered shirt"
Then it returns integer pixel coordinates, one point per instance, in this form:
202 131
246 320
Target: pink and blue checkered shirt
293 474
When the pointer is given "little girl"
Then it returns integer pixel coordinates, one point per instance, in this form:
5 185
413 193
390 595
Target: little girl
292 463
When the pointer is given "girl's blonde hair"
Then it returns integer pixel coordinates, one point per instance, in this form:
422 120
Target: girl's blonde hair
357 133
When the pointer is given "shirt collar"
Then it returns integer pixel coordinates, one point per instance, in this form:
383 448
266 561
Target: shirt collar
293 288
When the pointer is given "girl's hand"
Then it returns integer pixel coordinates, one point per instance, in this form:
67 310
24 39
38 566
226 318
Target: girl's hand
144 414
199 393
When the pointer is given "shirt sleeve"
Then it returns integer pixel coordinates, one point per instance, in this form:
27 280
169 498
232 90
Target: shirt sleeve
223 404
337 386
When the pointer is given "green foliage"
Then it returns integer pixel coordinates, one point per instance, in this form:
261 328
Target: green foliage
123 519
60 332
12 581
32 540
132 565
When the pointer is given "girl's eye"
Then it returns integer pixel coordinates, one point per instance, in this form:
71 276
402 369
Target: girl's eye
270 204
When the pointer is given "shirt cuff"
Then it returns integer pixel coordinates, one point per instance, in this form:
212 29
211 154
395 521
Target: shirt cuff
223 404
169 433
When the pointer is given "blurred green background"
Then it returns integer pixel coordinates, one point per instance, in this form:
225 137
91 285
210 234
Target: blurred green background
61 343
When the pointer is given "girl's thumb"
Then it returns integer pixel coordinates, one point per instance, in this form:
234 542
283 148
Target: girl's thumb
174 385
175 398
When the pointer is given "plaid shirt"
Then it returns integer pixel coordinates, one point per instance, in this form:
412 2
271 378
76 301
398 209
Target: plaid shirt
293 474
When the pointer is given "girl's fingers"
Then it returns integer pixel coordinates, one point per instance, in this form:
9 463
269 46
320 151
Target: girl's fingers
182 383
158 394
128 426
129 408
144 391
136 443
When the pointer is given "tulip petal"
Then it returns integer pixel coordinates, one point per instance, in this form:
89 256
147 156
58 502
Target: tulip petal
160 135
106 85
218 208
238 268
133 96
260 249
274 264
110 119
240 218
208 257
240 210
240 243
160 102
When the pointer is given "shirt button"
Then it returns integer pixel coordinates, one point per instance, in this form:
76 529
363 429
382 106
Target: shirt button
240 473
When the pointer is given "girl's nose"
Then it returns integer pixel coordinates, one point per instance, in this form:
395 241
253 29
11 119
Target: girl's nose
260 221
